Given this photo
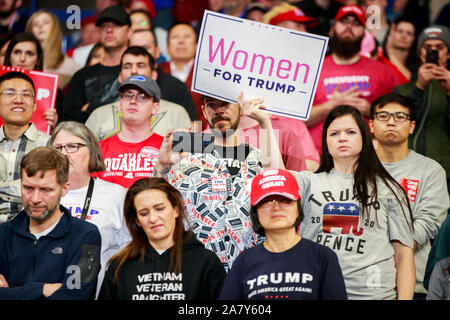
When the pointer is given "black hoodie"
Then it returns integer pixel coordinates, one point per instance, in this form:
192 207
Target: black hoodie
202 276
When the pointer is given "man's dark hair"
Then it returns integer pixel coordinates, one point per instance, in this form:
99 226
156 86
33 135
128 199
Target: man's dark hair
25 37
147 14
383 100
16 75
183 24
139 51
150 31
412 58
43 159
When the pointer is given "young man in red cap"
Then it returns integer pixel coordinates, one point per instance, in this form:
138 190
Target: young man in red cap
347 77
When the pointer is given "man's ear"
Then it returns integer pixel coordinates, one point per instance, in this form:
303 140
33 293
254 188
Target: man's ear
204 110
155 108
371 126
412 126
154 75
157 53
331 32
65 189
120 106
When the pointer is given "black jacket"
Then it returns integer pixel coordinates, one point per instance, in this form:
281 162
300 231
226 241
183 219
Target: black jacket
201 278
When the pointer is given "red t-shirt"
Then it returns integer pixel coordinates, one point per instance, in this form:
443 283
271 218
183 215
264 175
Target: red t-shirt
372 77
128 162
294 141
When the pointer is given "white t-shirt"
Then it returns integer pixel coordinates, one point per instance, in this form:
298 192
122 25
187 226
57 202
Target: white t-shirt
106 212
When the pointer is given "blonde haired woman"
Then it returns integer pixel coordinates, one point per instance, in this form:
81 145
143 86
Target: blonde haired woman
46 28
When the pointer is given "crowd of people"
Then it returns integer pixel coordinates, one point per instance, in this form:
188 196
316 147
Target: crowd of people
351 203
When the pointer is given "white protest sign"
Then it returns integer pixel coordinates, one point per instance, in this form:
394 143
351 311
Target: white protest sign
280 65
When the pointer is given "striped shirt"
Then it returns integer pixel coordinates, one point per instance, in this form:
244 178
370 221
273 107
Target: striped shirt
11 154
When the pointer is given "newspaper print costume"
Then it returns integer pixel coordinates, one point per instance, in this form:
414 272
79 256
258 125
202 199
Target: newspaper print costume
217 206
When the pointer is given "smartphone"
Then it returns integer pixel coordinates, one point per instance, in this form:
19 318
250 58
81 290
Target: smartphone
193 142
432 56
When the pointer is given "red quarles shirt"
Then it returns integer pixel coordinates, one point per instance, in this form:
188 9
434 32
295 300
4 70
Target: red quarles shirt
128 162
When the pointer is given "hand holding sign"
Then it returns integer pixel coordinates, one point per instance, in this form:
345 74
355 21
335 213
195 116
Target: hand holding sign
46 85
279 65
253 108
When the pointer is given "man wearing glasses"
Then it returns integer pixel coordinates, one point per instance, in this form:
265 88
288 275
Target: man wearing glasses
17 137
131 154
392 121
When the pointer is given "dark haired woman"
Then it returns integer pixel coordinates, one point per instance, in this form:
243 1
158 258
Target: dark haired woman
285 266
24 51
163 261
354 206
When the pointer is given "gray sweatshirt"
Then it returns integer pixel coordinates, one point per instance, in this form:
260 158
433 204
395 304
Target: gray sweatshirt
424 180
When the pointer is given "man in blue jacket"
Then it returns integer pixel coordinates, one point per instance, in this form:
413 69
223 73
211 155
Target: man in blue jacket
45 253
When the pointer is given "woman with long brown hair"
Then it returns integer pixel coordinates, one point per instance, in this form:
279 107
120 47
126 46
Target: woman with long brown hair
163 261
46 27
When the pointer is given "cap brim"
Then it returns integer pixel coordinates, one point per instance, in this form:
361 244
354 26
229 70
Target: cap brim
106 19
275 193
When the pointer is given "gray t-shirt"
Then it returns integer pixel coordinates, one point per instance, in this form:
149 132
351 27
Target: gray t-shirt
333 217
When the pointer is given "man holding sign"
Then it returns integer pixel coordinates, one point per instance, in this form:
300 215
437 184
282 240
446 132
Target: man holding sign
215 184
17 137
284 73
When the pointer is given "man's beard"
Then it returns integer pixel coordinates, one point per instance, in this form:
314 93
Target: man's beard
345 47
228 132
47 213
7 12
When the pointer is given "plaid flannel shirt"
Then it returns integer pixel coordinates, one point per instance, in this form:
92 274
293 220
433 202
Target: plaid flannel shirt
11 154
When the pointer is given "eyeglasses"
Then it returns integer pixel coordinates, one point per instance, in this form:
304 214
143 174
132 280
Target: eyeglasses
70 147
283 202
140 97
398 116
12 94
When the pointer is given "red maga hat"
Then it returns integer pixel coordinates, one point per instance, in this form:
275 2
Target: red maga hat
357 11
274 182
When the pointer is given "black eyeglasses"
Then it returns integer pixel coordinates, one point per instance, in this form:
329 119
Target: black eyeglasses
140 97
398 116
70 147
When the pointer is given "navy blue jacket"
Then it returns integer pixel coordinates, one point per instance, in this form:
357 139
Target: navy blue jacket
69 254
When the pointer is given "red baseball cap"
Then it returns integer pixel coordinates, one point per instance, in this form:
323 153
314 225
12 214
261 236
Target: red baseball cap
274 182
294 15
149 5
357 11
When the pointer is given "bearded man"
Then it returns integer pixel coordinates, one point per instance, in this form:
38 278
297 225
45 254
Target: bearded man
215 185
348 77
11 20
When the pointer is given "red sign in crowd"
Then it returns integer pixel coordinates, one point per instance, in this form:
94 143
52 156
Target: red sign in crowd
46 85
